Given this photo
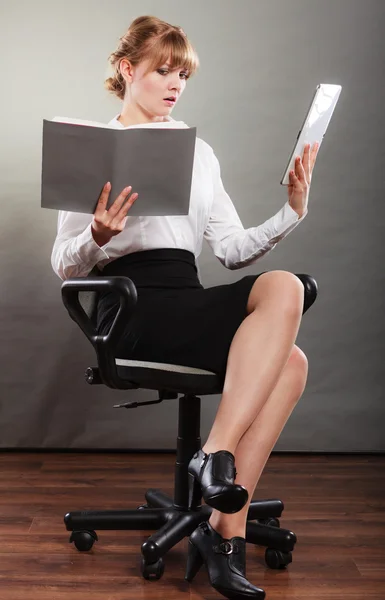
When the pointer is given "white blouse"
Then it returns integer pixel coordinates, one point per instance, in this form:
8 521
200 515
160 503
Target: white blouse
212 216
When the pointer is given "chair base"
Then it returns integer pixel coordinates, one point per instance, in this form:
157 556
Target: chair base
172 519
172 524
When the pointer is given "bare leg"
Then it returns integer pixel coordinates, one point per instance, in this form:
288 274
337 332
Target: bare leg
258 353
257 443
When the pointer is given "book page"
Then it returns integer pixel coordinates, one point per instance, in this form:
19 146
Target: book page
73 121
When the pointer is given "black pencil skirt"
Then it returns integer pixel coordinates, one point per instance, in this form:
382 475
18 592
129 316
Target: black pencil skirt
176 320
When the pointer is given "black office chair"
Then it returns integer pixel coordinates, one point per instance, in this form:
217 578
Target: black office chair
171 518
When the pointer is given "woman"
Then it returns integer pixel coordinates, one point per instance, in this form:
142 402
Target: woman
245 331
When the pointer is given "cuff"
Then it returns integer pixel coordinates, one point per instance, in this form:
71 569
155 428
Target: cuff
87 249
286 220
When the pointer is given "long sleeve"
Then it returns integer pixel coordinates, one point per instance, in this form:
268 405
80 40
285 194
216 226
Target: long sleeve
232 244
75 251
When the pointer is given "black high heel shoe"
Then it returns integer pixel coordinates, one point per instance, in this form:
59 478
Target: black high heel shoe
212 476
225 561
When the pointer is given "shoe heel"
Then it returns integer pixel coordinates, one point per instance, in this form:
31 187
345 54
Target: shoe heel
194 562
194 492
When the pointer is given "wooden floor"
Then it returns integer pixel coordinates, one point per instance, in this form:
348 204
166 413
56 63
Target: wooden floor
334 504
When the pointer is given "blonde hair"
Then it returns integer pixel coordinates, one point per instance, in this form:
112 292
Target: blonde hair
151 38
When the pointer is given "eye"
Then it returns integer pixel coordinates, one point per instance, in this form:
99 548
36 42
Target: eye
163 71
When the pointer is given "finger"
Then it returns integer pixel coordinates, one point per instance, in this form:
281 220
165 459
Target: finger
306 157
294 179
117 205
298 185
300 171
103 198
314 153
126 206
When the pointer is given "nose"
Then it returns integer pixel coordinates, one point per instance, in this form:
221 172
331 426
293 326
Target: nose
176 84
175 90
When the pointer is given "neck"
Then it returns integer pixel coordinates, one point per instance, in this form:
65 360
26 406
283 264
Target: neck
132 116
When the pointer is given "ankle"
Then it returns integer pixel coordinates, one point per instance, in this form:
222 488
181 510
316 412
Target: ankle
210 448
227 530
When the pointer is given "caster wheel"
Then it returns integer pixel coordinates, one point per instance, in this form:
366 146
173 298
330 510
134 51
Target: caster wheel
272 521
275 559
152 571
142 507
83 540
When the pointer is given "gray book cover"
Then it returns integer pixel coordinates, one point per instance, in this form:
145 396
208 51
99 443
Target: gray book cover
78 160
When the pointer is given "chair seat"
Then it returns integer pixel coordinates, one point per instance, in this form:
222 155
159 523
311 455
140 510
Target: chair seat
178 378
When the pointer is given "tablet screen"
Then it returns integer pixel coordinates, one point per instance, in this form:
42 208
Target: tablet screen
315 124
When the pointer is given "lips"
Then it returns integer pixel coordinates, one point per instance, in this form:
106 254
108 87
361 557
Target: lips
171 98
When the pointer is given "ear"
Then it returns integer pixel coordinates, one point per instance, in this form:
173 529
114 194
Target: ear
126 69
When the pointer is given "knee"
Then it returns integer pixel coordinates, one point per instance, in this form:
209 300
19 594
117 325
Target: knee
299 361
283 288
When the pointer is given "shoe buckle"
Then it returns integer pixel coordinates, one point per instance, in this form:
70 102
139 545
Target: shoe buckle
226 548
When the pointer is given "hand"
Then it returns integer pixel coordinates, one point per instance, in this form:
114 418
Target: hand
107 223
299 186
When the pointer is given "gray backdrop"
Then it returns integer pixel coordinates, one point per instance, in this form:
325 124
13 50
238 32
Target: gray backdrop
260 63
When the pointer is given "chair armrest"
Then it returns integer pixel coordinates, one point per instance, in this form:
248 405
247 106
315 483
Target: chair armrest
127 293
104 345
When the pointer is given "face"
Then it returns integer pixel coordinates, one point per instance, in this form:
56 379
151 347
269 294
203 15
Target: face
148 91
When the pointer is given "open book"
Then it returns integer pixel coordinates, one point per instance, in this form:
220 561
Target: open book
80 156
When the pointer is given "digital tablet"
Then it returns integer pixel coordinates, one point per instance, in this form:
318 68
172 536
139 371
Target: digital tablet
315 124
